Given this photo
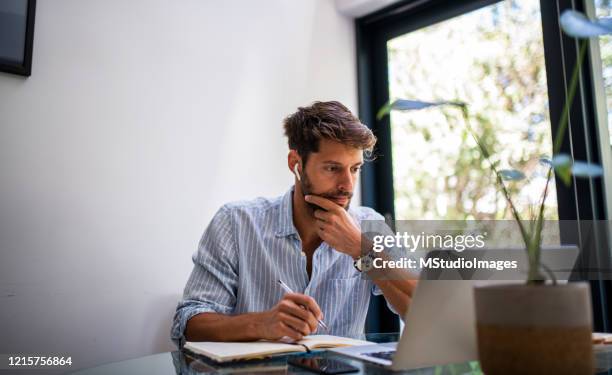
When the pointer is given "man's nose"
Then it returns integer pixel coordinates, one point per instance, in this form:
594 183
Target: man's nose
346 181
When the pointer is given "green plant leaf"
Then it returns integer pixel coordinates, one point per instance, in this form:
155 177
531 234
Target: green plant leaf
586 170
565 168
561 160
412 105
545 160
565 174
562 163
383 111
578 25
511 174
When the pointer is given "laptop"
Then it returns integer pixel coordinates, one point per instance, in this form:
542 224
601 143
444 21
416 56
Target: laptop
439 327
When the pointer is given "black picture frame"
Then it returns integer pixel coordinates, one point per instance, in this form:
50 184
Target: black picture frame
23 67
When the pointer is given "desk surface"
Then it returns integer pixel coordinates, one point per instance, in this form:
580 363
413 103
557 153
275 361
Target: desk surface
175 363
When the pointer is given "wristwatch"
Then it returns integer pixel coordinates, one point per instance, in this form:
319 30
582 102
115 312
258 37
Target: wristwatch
365 262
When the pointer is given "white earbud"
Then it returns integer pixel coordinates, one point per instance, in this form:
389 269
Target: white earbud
295 171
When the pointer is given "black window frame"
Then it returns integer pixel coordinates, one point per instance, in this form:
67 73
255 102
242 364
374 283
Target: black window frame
583 200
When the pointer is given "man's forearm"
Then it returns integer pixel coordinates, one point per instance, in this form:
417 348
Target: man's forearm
397 285
294 316
220 327
398 293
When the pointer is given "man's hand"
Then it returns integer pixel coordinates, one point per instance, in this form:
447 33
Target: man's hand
336 227
295 316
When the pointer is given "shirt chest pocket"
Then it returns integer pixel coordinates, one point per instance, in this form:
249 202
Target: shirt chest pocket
346 303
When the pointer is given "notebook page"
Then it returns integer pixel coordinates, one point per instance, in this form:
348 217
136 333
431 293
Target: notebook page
329 341
224 351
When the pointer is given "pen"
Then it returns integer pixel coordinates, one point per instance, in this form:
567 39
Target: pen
288 290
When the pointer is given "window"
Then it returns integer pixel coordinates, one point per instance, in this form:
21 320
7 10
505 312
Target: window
603 8
492 59
510 62
601 57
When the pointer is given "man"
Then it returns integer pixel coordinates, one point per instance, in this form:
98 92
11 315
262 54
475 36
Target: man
309 238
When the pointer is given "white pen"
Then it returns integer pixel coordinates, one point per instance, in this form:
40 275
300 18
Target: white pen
288 290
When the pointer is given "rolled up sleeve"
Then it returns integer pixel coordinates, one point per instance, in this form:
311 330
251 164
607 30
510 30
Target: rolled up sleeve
374 224
211 287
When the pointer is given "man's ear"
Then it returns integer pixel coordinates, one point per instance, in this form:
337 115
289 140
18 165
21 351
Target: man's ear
294 162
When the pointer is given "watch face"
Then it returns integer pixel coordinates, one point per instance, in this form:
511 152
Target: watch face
357 265
366 263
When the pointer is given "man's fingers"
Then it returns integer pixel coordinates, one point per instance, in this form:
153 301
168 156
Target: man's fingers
322 202
322 215
287 330
306 301
305 328
290 307
306 325
296 310
321 224
324 236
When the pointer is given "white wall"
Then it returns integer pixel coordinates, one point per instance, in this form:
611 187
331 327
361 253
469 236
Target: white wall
140 119
359 8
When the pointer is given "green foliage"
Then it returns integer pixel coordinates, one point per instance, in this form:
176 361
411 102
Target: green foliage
438 171
486 136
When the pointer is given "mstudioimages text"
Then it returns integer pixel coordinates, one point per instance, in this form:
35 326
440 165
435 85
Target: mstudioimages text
413 242
439 263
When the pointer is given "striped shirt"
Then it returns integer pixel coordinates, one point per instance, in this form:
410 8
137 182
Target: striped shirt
248 246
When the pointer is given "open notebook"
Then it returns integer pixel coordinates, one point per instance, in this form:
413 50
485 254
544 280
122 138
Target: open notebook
234 351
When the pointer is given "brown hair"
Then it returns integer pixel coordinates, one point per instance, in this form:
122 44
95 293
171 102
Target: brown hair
326 120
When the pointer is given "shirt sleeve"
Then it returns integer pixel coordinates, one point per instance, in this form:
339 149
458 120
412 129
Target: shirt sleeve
377 292
211 287
374 223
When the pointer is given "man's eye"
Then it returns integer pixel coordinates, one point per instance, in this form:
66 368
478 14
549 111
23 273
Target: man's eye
331 169
356 170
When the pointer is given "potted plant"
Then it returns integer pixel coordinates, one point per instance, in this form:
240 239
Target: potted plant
539 327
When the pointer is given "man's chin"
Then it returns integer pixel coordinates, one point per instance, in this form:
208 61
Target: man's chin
342 202
313 207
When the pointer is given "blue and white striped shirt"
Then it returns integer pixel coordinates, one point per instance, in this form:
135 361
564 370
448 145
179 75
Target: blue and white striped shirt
249 245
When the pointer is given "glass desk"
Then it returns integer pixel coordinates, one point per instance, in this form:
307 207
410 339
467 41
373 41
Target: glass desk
179 363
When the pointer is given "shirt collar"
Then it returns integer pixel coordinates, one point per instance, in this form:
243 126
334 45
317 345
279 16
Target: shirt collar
285 217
